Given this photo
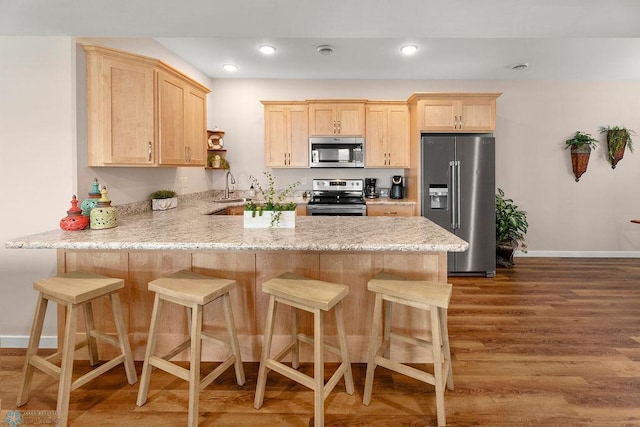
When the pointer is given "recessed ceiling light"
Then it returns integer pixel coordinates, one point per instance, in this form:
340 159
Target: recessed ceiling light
230 67
325 49
267 49
409 49
521 66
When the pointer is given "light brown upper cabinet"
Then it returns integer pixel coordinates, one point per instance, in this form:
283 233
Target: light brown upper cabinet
286 134
387 134
141 112
332 117
455 112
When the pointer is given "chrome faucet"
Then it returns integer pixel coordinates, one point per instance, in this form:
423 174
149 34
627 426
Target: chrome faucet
226 188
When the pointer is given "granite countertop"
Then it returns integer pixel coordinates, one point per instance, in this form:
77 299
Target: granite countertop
189 227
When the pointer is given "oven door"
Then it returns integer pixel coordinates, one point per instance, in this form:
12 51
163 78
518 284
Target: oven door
336 210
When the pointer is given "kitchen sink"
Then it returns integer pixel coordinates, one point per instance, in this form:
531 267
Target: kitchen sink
234 200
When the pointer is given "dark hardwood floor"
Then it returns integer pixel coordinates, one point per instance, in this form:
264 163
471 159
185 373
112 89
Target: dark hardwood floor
552 342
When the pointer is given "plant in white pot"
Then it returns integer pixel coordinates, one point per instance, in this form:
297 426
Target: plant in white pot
273 211
162 200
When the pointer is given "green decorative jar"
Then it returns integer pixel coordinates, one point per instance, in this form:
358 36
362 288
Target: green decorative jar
103 215
92 201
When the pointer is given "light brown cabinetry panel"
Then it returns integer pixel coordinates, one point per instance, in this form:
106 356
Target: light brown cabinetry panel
336 118
286 135
387 135
141 112
390 210
455 112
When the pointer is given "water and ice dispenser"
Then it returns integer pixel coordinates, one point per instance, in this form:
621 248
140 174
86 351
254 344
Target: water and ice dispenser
438 196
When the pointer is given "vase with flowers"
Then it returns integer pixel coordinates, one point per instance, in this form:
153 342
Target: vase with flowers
273 210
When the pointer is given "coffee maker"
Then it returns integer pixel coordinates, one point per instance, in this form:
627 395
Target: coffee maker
397 187
370 188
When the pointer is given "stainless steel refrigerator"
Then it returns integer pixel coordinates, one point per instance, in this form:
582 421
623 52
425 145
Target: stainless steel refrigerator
458 193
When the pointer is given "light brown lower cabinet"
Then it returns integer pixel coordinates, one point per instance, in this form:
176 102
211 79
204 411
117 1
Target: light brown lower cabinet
250 269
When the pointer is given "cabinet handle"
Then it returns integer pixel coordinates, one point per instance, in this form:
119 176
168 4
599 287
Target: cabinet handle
150 150
285 159
339 127
460 123
391 213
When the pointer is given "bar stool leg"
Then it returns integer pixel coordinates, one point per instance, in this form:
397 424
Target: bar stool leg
318 367
151 348
437 366
66 369
444 327
374 344
295 352
235 346
386 337
32 350
266 351
123 338
194 369
344 349
89 327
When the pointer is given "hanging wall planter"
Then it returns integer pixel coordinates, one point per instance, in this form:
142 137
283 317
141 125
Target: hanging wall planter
581 145
618 139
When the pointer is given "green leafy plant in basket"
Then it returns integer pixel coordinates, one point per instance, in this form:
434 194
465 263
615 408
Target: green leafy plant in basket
272 200
511 227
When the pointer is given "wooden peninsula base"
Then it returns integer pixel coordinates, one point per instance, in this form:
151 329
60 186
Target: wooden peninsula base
250 269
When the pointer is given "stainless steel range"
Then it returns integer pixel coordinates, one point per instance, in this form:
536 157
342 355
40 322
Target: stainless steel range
342 197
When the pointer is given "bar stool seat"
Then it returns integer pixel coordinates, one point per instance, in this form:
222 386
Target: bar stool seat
316 297
193 291
74 290
430 296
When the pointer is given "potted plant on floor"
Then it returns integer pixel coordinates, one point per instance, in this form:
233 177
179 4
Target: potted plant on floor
581 145
274 211
511 227
162 200
618 139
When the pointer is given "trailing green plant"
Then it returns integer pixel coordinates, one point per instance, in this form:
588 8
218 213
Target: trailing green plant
617 138
272 200
580 140
163 194
511 222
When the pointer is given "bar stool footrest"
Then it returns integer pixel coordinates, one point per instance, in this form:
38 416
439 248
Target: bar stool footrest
96 372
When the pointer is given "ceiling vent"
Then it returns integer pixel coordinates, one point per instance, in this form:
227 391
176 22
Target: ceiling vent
520 67
325 49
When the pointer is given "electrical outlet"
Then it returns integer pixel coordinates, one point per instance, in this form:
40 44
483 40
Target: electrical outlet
184 181
303 181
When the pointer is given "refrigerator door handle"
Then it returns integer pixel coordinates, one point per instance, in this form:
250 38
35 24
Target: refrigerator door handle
457 194
452 193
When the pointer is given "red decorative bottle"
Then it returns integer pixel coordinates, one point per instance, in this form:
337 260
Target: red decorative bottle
74 219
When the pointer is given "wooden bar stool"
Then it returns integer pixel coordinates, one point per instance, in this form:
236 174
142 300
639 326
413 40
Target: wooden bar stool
74 290
430 296
193 291
317 297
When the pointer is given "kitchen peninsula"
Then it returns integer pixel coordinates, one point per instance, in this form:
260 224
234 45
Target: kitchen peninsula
347 250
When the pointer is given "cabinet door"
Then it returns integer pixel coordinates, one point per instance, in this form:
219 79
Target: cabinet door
478 114
120 112
298 128
376 149
171 124
286 136
437 114
322 120
195 116
350 119
276 146
387 135
398 136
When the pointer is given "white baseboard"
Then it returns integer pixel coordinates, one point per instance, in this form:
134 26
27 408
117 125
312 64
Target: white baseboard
579 254
18 341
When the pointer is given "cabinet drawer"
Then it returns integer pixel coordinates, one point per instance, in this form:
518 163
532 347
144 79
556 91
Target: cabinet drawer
390 210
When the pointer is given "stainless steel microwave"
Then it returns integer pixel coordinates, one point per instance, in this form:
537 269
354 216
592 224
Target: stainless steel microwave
337 152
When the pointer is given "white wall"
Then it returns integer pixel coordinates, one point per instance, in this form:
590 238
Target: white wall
37 166
38 155
585 218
